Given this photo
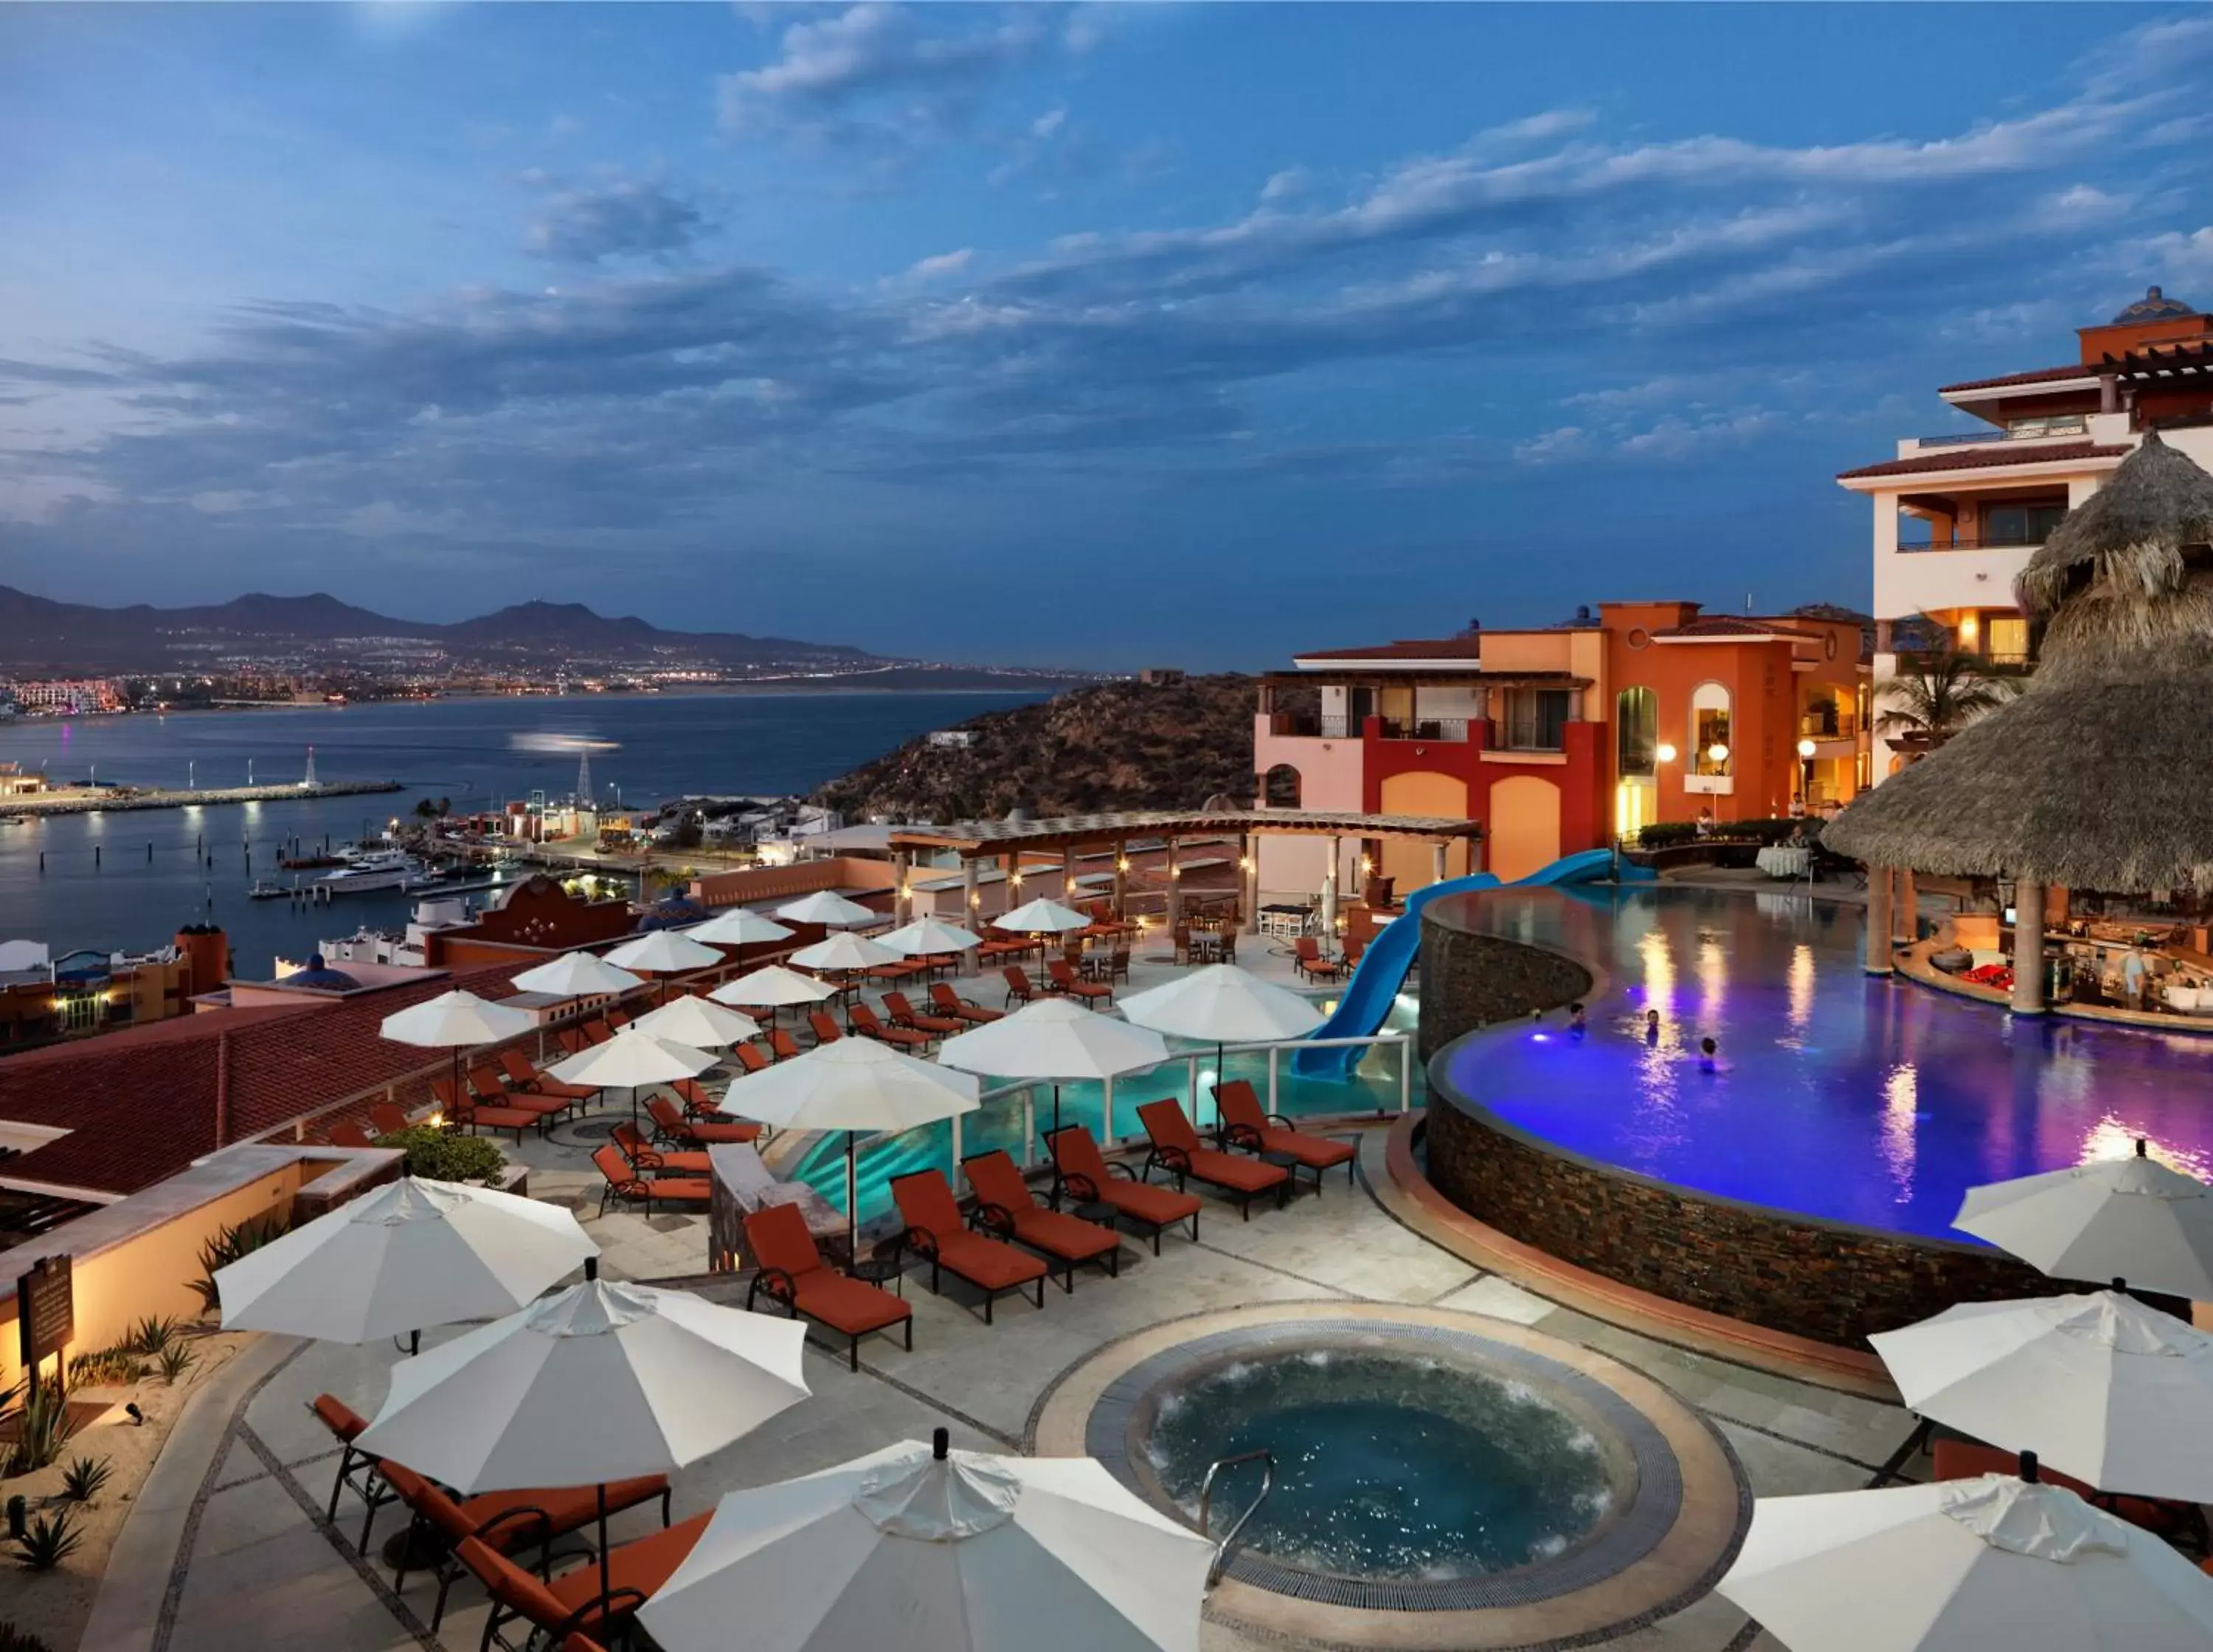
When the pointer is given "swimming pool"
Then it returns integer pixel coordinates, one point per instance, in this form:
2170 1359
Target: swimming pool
1842 1096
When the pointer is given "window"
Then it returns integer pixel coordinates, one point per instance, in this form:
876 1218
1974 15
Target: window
2048 424
2008 638
1536 719
1710 731
2019 524
1636 731
1279 787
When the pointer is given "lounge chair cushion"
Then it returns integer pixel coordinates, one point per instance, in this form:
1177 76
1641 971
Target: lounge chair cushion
644 1565
988 1264
1239 1174
852 1305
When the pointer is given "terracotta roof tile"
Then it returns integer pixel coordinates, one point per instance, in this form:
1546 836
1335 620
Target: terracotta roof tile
1442 648
1722 624
1989 458
2037 375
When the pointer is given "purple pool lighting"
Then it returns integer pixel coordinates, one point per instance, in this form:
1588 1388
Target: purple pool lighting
1847 1098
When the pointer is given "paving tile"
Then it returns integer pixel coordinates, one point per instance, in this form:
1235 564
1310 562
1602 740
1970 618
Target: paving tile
1500 1299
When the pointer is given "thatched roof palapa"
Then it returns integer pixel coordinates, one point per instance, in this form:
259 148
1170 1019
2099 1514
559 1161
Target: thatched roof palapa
2100 775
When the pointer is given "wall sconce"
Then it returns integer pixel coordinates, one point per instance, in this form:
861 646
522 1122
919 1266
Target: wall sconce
436 1120
1123 864
976 899
1175 873
1244 862
1664 753
1717 752
1806 749
1016 879
1367 865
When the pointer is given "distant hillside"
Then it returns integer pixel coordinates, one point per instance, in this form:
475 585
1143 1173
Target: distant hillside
1114 745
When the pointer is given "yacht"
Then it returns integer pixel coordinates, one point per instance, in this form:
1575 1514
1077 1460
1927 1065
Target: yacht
380 869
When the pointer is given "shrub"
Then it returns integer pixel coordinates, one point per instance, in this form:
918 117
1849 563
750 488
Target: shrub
101 1366
48 1540
152 1336
226 1247
1667 834
41 1430
82 1480
442 1156
13 1639
176 1359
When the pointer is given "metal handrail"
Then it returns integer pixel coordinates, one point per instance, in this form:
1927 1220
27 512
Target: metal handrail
1267 1460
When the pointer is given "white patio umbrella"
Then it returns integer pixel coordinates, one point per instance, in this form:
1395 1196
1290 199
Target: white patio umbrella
600 1382
2129 1219
846 952
455 1021
1041 916
401 1257
1223 1004
827 907
928 937
931 1550
698 1022
630 1059
852 1085
1054 1039
2098 1386
663 952
577 975
738 927
771 987
1994 1564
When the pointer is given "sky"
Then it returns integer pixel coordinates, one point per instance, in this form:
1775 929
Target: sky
1108 336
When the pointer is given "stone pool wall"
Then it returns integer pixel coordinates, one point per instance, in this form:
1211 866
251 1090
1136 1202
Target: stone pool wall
1771 1268
1470 980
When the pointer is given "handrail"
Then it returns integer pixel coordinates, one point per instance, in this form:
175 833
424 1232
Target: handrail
1267 1458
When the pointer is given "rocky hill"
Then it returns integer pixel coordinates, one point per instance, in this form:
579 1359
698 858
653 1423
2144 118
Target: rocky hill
1114 745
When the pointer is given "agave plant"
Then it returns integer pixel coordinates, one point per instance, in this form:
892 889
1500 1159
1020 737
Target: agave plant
41 1430
13 1639
152 1335
226 1247
48 1540
84 1479
175 1360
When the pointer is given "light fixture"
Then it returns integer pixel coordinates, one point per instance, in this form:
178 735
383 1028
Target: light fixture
1367 865
1806 748
1664 753
1122 865
1717 752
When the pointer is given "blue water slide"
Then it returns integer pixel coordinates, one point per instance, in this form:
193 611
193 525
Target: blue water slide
1382 968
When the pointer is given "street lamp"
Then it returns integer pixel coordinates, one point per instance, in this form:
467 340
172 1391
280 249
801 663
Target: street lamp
1664 753
1806 773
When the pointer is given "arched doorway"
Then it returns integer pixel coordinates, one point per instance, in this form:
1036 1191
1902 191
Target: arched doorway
1280 787
1410 860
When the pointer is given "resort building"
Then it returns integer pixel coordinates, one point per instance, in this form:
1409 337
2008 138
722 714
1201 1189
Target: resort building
1559 739
1957 517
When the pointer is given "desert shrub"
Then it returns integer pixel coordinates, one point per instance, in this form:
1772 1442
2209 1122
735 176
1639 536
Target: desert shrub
41 1430
48 1540
443 1155
226 1247
82 1480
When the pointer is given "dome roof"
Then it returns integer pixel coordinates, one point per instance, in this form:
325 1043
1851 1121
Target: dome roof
2154 305
321 977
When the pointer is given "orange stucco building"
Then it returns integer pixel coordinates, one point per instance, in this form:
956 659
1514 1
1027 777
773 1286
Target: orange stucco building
1559 739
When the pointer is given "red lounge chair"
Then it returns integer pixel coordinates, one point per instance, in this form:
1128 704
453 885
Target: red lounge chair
505 1520
624 1183
948 1003
648 1160
387 1119
1089 1179
1245 1124
935 1230
1309 962
1007 1207
750 1058
486 1090
903 1015
826 1030
597 1031
694 1096
346 1425
792 1273
1951 1457
869 1024
346 1133
521 1076
572 1040
1177 1146
1061 974
571 1601
1018 990
673 1125
781 1045
618 1019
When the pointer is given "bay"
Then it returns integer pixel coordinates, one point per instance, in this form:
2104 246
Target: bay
150 878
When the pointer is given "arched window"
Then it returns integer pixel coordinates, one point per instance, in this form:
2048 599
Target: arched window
1279 787
1710 731
1636 731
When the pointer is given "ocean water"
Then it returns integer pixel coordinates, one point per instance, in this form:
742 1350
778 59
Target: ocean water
151 877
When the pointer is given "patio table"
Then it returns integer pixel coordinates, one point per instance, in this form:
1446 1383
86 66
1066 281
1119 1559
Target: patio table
1783 861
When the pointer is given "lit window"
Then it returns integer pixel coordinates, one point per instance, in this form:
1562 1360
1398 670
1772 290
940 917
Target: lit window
1710 731
1637 731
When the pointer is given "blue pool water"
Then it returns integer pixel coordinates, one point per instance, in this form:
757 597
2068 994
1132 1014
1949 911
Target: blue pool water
1388 1466
1843 1096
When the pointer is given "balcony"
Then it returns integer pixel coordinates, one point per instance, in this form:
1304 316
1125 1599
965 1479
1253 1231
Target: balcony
1964 543
1446 730
1836 723
1308 725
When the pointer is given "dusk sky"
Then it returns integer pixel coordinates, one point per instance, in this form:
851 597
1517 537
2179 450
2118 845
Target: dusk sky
1177 334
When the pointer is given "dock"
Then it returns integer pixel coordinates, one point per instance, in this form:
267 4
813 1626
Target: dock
86 803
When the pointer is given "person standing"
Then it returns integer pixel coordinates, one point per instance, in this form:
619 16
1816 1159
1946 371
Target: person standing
2136 973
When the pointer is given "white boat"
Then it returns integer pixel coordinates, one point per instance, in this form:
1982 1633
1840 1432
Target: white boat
381 869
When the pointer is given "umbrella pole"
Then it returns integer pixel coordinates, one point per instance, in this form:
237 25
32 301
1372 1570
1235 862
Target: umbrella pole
607 1589
1056 1106
852 1204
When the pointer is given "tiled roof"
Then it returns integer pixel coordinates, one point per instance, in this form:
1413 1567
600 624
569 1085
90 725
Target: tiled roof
1442 648
2040 376
1990 458
141 1105
1722 624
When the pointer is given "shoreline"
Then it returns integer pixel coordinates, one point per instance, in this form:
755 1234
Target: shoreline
199 797
1047 688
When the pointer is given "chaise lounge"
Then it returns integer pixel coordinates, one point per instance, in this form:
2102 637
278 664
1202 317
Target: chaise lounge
936 1232
1090 1180
1007 1207
1245 1124
792 1273
1177 1148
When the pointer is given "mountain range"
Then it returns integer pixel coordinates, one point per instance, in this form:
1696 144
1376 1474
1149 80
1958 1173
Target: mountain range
39 635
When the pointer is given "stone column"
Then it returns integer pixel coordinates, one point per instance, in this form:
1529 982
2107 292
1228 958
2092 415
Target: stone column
1878 920
1121 877
1329 887
1068 876
1175 884
1011 863
968 918
1251 882
902 900
1906 916
2029 949
1437 853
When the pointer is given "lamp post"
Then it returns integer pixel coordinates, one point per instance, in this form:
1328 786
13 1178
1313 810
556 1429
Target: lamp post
1806 774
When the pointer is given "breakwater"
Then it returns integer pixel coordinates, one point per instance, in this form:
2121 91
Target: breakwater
107 802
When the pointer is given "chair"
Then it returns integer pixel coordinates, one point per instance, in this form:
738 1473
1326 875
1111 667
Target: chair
504 1520
621 1182
903 1015
1118 965
346 1425
695 1097
597 1032
948 1003
486 1088
1064 978
471 1115
934 1231
572 1040
521 1076
1953 1458
346 1133
749 1056
1176 1146
671 1124
572 1601
792 1273
1007 1207
1089 1179
388 1118
1245 1124
866 1022
648 1160
1354 951
781 1045
1018 990
618 1019
1307 960
826 1030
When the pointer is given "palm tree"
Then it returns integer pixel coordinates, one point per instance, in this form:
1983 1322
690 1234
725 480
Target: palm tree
1946 691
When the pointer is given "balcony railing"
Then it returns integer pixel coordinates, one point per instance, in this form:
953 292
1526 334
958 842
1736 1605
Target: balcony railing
1834 725
1308 725
1964 543
2059 429
1449 730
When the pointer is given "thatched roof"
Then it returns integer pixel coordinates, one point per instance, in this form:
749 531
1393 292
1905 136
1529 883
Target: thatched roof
2100 775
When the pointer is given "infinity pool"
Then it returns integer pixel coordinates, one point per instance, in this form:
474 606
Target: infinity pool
1837 1094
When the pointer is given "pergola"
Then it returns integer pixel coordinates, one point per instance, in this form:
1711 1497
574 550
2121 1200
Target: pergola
1009 840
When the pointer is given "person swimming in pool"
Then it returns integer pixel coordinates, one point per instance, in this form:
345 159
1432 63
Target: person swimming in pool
1708 1055
1652 1027
1576 1024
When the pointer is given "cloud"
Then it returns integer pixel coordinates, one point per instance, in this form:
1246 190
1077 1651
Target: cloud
940 264
1049 122
1553 447
1287 185
588 223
